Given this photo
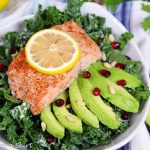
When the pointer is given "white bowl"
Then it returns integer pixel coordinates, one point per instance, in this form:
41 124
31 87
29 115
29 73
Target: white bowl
131 50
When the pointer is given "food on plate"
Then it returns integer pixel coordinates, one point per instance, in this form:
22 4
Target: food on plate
129 80
104 112
119 96
52 51
85 105
39 89
79 107
68 120
52 125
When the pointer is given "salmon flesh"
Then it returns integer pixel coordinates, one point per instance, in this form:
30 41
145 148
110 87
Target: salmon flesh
40 89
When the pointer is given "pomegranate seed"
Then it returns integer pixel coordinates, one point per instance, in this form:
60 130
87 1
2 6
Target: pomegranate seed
96 91
105 73
13 51
115 45
125 116
2 67
121 82
59 102
86 74
100 39
128 57
120 66
50 139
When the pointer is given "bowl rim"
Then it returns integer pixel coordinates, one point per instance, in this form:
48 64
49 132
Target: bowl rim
120 27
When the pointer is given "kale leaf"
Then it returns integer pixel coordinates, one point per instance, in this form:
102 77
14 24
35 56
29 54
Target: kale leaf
90 136
12 40
141 93
17 122
72 12
132 67
44 19
124 39
20 112
5 92
92 23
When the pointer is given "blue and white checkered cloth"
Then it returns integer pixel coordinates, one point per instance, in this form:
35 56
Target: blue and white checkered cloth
130 15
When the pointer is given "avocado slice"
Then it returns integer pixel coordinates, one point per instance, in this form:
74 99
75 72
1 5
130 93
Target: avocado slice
104 112
148 119
118 74
121 98
68 120
52 125
79 107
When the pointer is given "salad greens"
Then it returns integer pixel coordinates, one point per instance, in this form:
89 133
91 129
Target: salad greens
17 124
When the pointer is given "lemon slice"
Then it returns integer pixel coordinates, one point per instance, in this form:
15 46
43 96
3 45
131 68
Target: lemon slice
52 51
3 4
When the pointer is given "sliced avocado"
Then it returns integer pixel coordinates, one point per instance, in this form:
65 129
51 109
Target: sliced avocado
104 112
68 120
121 98
52 125
79 107
118 74
148 119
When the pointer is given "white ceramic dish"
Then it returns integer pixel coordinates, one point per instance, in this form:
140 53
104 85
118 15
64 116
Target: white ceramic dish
131 50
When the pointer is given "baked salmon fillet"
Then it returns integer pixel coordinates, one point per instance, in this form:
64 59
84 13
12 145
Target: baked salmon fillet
40 89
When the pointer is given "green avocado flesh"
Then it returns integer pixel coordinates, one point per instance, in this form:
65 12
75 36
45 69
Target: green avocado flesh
81 97
121 98
118 74
79 107
68 120
104 112
52 125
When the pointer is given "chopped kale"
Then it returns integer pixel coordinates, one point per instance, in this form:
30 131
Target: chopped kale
132 67
124 39
140 93
16 121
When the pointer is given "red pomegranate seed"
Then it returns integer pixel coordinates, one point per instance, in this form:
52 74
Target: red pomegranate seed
86 74
13 51
125 116
121 82
128 57
96 91
115 45
105 73
2 67
50 139
120 66
59 102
